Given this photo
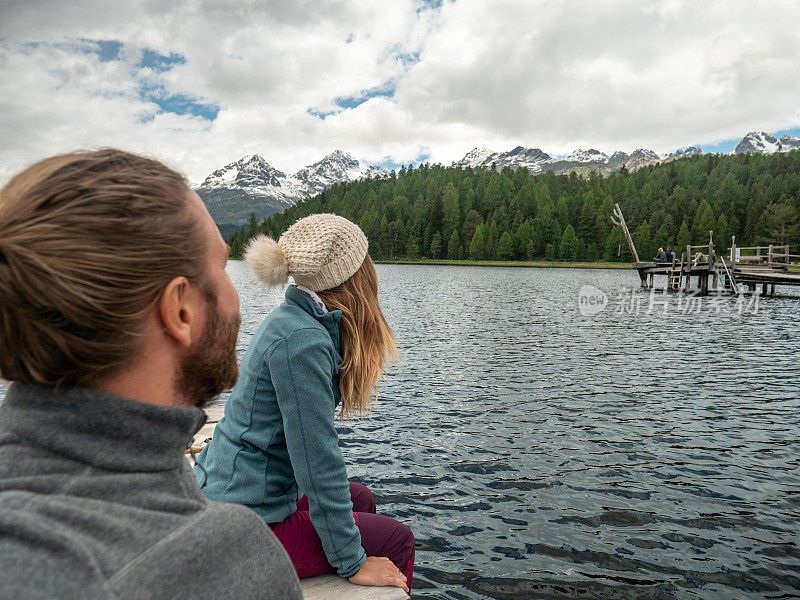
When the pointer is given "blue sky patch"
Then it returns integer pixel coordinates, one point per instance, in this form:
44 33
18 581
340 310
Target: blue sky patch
108 50
179 104
386 89
430 5
160 62
353 101
389 164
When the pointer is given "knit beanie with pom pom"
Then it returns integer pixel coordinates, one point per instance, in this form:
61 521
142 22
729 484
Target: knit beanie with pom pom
319 251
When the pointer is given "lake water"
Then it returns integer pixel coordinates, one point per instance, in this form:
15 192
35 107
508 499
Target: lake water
540 453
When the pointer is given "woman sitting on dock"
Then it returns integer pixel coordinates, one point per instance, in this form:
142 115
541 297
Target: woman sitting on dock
326 343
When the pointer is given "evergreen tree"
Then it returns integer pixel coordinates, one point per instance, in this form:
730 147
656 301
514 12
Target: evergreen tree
568 248
704 222
436 245
477 246
643 243
454 246
505 247
412 250
683 240
661 239
471 223
451 210
722 237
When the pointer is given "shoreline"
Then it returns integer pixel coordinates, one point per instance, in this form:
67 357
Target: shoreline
543 264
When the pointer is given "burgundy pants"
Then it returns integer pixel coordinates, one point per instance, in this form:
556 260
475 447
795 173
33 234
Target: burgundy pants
380 536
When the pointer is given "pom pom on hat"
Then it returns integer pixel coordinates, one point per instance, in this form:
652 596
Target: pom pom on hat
267 260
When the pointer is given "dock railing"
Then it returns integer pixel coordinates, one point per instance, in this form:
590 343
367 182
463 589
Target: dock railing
708 256
767 256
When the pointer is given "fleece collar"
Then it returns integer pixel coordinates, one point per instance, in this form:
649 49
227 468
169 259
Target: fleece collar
329 320
101 429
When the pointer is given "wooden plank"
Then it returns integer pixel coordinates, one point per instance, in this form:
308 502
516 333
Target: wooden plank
333 587
214 413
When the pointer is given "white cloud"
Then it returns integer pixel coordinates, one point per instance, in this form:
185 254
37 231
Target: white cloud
557 75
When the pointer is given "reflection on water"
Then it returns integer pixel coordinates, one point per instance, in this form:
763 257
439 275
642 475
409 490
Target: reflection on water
539 453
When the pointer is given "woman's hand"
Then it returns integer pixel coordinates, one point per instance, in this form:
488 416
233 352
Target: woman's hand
379 571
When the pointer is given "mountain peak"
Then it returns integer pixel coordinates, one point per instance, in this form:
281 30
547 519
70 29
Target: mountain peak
683 152
251 169
590 155
789 142
476 157
531 158
618 158
645 153
758 141
337 156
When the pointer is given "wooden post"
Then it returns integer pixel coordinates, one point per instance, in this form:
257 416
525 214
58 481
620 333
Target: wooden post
733 250
688 283
620 222
769 260
710 250
772 290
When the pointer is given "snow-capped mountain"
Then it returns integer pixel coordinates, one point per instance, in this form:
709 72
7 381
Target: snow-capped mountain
531 158
334 168
254 173
251 185
590 155
758 141
789 142
684 152
618 158
476 157
538 161
641 157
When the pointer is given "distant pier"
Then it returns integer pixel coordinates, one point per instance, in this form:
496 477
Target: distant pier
746 269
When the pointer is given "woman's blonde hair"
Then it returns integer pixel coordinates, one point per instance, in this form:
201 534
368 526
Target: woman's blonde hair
368 342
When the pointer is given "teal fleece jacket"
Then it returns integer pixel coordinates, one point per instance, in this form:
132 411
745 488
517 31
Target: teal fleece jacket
278 438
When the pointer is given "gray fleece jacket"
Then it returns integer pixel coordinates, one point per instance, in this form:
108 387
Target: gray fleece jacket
98 501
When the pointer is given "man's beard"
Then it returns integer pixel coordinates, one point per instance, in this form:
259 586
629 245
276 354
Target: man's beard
209 366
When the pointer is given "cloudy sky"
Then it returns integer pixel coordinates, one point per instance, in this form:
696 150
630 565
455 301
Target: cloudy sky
201 83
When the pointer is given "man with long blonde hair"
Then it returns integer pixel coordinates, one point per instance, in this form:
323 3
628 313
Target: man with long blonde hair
117 323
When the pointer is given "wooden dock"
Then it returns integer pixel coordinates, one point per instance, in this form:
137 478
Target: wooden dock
324 587
746 269
333 587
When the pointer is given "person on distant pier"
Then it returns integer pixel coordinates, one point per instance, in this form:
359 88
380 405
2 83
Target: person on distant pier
117 323
670 254
276 449
661 256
